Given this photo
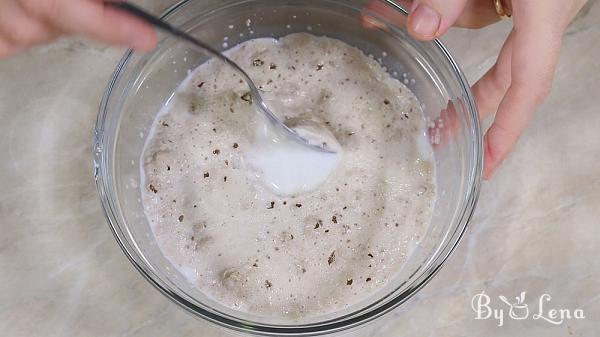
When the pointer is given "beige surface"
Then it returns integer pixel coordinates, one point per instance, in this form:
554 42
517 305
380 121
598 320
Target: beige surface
537 227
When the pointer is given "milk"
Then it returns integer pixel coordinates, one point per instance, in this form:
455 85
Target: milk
288 166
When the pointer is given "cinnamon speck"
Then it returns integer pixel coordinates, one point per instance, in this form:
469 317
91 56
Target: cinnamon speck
334 219
318 224
152 188
247 97
216 151
331 258
268 284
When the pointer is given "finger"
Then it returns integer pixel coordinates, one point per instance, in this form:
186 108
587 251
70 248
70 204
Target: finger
93 19
6 48
19 28
535 54
432 18
491 88
478 14
383 10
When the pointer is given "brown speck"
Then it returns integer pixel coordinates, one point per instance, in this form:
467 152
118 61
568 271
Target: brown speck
216 151
298 205
370 255
318 224
200 85
206 175
268 284
255 265
152 188
285 202
180 218
236 145
247 97
214 129
319 67
258 62
225 179
165 124
273 66
193 238
226 162
334 219
331 258
272 205
349 282
327 231
386 101
368 279
168 168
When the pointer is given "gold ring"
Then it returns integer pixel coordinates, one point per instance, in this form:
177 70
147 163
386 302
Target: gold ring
503 10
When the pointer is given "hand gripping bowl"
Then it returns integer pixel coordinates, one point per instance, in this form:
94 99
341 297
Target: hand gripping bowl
143 83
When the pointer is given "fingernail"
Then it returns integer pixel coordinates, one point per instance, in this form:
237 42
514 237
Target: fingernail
425 21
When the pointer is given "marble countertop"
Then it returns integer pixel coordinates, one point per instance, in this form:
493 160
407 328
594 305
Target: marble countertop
536 229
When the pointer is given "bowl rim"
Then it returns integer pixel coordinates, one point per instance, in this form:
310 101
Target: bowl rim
337 324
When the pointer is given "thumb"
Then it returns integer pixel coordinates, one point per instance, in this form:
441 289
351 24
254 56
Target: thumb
429 19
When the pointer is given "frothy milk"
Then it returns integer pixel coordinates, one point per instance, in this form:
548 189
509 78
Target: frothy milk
275 230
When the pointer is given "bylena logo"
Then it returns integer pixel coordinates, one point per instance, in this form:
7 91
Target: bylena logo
519 310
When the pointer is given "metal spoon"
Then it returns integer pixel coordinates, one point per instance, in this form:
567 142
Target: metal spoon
259 103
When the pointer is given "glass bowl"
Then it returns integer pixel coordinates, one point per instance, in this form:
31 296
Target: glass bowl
143 83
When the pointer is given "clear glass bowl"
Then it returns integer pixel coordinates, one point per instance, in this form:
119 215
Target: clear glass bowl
143 83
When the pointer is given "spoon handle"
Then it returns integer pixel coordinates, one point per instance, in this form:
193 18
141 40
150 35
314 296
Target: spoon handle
163 25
